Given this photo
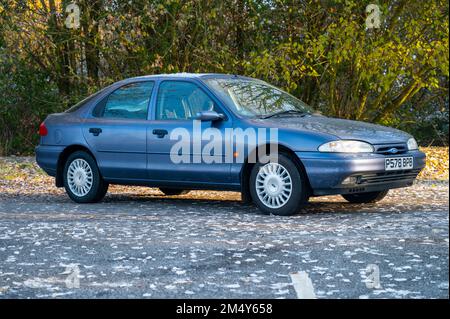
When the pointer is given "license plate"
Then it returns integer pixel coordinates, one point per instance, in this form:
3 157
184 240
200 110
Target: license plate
398 163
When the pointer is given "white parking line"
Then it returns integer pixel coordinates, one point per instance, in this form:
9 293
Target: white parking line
303 285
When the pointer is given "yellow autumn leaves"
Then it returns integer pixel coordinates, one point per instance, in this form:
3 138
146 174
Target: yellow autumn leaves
437 163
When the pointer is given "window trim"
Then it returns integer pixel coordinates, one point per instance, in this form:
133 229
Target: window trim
199 85
102 103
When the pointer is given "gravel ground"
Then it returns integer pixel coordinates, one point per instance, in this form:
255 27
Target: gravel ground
138 243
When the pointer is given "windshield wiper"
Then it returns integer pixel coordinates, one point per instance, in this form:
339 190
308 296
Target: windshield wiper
301 113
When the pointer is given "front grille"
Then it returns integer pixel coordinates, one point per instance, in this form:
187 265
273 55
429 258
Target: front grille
386 177
386 149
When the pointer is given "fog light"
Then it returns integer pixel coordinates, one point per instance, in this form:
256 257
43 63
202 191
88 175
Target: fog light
351 180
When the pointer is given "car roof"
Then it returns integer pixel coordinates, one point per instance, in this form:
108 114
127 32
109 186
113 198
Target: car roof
185 75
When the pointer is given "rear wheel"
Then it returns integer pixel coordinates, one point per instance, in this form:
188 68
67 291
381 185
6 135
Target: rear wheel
173 191
278 188
82 179
360 198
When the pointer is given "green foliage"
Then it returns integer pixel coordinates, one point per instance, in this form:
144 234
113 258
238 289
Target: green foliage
320 51
27 96
429 123
332 61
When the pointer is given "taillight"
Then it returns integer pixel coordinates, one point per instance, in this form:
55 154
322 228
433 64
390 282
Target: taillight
43 130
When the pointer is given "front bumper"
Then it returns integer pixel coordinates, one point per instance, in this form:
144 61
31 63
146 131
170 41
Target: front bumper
327 171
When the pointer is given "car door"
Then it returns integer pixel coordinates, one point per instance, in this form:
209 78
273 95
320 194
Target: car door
176 105
117 132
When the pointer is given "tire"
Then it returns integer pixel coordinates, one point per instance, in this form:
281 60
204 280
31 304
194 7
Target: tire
267 182
83 183
173 191
361 198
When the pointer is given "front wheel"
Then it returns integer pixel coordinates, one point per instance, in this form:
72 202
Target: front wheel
361 198
278 188
82 179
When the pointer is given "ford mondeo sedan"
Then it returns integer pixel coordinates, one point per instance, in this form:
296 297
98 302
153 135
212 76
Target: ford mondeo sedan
181 132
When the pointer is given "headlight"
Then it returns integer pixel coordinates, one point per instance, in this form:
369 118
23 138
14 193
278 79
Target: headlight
346 146
412 144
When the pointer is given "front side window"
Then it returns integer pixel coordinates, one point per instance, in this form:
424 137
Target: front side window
254 98
179 100
128 102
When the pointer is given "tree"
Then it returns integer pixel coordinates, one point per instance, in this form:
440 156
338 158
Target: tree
320 51
359 73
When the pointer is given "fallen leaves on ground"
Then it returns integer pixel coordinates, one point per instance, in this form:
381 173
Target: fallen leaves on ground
437 163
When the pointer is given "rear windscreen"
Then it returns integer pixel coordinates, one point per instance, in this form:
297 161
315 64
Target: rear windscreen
80 104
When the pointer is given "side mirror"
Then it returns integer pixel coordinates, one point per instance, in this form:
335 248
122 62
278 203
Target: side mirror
209 116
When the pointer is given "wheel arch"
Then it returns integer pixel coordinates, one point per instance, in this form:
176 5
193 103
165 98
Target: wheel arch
59 181
247 168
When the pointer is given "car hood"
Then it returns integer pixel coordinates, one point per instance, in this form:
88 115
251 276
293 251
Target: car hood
343 129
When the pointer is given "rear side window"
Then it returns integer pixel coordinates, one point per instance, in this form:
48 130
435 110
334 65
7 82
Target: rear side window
128 102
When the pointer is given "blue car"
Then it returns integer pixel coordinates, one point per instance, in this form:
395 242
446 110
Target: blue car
181 132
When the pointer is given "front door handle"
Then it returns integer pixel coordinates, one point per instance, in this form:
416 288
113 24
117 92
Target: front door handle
160 133
95 131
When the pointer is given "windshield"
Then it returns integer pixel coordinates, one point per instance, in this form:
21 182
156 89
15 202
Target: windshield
254 98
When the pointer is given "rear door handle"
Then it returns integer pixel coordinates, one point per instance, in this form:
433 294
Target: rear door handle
160 133
95 131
